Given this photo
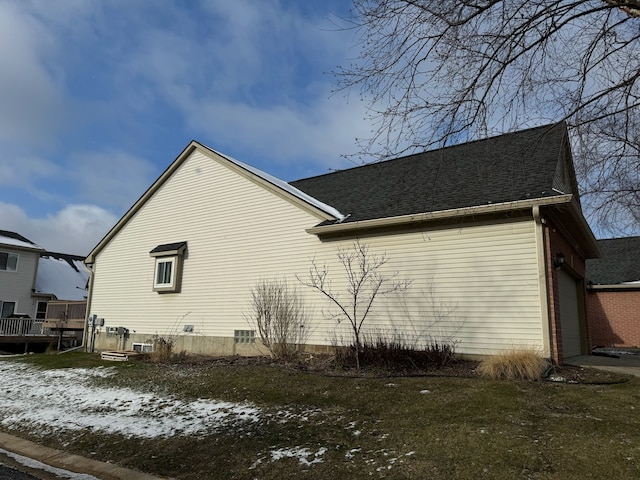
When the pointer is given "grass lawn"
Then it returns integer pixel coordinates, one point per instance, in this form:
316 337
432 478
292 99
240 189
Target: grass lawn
386 427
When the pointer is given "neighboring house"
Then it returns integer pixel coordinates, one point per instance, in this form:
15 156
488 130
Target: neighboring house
30 277
490 233
18 266
613 293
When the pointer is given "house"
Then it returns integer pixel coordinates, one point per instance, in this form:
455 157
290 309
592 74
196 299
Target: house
613 293
18 266
30 277
490 233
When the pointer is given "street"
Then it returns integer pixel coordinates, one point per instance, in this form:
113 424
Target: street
8 473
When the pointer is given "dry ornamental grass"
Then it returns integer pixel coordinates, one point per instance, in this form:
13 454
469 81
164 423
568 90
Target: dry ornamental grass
514 365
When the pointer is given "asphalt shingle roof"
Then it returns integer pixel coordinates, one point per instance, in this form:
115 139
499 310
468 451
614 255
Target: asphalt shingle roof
620 262
169 247
515 166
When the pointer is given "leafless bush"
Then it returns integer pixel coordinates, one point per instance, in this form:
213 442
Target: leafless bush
162 348
366 281
280 317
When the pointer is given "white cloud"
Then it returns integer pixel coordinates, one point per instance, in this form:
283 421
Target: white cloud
24 170
87 83
30 94
317 133
244 82
111 178
75 229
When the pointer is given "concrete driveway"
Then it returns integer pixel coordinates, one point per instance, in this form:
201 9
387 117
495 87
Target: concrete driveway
623 363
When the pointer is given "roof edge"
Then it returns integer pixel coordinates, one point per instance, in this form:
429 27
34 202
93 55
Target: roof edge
24 248
615 286
592 243
441 214
324 211
155 186
281 186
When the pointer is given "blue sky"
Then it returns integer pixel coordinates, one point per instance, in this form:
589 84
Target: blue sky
97 98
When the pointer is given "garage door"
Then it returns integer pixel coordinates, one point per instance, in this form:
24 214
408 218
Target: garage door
569 314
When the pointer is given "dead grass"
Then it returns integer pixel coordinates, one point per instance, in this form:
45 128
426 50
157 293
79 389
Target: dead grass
514 365
409 427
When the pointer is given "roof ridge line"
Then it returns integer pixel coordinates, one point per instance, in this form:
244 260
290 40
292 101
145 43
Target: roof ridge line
447 147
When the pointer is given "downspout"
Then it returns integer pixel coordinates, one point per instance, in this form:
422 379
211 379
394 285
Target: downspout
543 281
85 334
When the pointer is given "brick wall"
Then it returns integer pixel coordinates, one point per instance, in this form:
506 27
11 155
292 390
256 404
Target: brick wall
614 318
556 242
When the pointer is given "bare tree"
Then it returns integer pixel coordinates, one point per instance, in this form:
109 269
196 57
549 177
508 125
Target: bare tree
279 315
365 282
435 72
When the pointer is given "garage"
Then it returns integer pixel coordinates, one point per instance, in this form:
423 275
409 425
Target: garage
569 314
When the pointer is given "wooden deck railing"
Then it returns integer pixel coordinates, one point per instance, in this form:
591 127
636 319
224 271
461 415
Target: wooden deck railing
22 327
65 315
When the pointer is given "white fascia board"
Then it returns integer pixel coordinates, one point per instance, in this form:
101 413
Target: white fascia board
616 286
442 214
15 243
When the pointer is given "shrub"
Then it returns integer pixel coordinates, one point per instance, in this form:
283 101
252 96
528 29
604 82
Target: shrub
395 353
162 348
280 317
514 365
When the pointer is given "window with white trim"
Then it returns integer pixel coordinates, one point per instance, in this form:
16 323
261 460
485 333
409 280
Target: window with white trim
142 347
41 310
165 272
8 262
168 266
7 309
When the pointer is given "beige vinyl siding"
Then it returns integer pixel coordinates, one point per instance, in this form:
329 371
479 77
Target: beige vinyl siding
237 232
16 286
475 284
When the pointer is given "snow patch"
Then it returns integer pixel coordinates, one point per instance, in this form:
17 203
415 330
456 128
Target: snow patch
302 454
50 401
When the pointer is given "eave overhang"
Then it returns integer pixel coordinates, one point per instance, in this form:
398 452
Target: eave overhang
441 215
615 287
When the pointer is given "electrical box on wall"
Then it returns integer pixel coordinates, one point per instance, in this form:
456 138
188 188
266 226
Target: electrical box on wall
94 321
112 331
117 331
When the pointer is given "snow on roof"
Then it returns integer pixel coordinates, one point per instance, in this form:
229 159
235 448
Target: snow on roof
285 186
62 276
15 240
